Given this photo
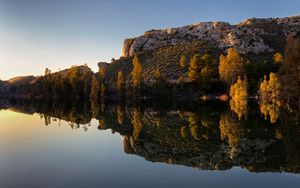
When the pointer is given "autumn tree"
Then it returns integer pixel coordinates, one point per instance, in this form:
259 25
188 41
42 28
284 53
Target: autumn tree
136 72
181 79
269 95
120 83
232 130
239 96
271 109
278 58
231 66
270 89
182 61
137 122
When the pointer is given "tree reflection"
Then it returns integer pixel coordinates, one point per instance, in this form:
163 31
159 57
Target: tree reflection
239 107
231 129
207 136
270 109
137 122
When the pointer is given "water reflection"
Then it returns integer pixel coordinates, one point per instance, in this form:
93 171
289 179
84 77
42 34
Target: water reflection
207 136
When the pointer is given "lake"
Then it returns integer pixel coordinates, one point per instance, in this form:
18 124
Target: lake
208 145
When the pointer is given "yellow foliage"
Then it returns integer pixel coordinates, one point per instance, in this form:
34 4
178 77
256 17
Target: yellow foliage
181 79
278 58
120 115
194 130
137 123
231 66
239 96
270 109
136 72
102 72
182 61
270 89
206 58
183 132
231 129
120 82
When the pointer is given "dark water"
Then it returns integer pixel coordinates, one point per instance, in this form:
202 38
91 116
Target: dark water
215 144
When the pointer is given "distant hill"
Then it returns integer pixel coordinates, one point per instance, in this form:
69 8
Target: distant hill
21 80
33 85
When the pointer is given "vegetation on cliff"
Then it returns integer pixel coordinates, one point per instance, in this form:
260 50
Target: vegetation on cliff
188 70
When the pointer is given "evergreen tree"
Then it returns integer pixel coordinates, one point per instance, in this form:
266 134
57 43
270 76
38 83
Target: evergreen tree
194 68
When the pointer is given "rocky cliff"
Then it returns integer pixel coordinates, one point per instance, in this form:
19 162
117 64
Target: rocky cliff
253 35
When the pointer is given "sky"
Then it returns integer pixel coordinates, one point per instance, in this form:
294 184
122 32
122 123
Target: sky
56 34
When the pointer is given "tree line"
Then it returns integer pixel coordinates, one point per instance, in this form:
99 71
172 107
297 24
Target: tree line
276 82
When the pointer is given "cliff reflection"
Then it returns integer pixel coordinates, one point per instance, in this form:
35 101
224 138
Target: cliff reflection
207 136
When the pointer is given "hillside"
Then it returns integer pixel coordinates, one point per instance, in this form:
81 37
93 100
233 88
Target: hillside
37 86
21 80
256 39
253 43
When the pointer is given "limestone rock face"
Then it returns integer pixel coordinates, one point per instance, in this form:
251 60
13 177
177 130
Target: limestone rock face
248 36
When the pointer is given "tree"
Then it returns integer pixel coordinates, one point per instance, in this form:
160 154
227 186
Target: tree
270 109
102 91
205 77
74 75
95 89
206 58
137 122
47 71
181 79
231 129
200 71
278 57
269 95
270 89
182 61
194 68
102 72
136 72
120 83
231 66
290 73
160 86
239 96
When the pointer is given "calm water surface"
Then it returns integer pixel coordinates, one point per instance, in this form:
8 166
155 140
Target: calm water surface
133 147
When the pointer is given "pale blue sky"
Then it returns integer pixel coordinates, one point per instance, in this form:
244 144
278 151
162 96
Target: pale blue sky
35 34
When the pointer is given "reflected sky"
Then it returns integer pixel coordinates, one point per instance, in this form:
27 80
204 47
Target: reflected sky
35 155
